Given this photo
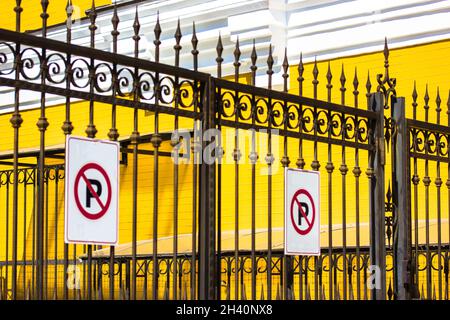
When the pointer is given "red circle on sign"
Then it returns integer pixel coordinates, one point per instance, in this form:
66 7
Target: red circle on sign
81 174
296 201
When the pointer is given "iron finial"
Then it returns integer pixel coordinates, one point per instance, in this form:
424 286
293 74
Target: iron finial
136 26
253 57
270 61
300 78
194 42
194 39
237 53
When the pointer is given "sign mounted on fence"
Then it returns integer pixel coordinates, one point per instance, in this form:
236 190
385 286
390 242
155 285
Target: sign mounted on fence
91 191
301 212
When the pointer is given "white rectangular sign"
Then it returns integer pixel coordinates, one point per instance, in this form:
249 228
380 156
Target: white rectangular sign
301 212
91 191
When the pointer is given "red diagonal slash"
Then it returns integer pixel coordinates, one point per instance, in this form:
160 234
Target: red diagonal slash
91 189
302 212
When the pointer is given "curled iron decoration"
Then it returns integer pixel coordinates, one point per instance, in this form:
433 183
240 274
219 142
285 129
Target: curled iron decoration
103 81
7 66
429 142
56 66
32 64
78 74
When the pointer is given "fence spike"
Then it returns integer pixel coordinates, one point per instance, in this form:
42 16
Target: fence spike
44 16
285 66
300 78
115 22
426 99
342 89
414 104
253 57
136 26
237 55
177 47
315 82
157 42
368 85
438 107
329 78
355 87
92 27
386 59
219 59
269 67
194 42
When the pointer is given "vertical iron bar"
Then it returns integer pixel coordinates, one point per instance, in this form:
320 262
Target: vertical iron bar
156 142
343 170
330 168
42 125
219 60
269 160
253 156
236 157
357 173
288 281
113 133
135 142
67 126
16 121
415 180
426 181
438 183
300 161
175 145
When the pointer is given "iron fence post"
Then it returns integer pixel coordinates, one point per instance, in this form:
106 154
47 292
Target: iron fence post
401 207
206 268
377 202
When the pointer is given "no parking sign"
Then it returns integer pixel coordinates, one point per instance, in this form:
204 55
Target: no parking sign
91 191
302 212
